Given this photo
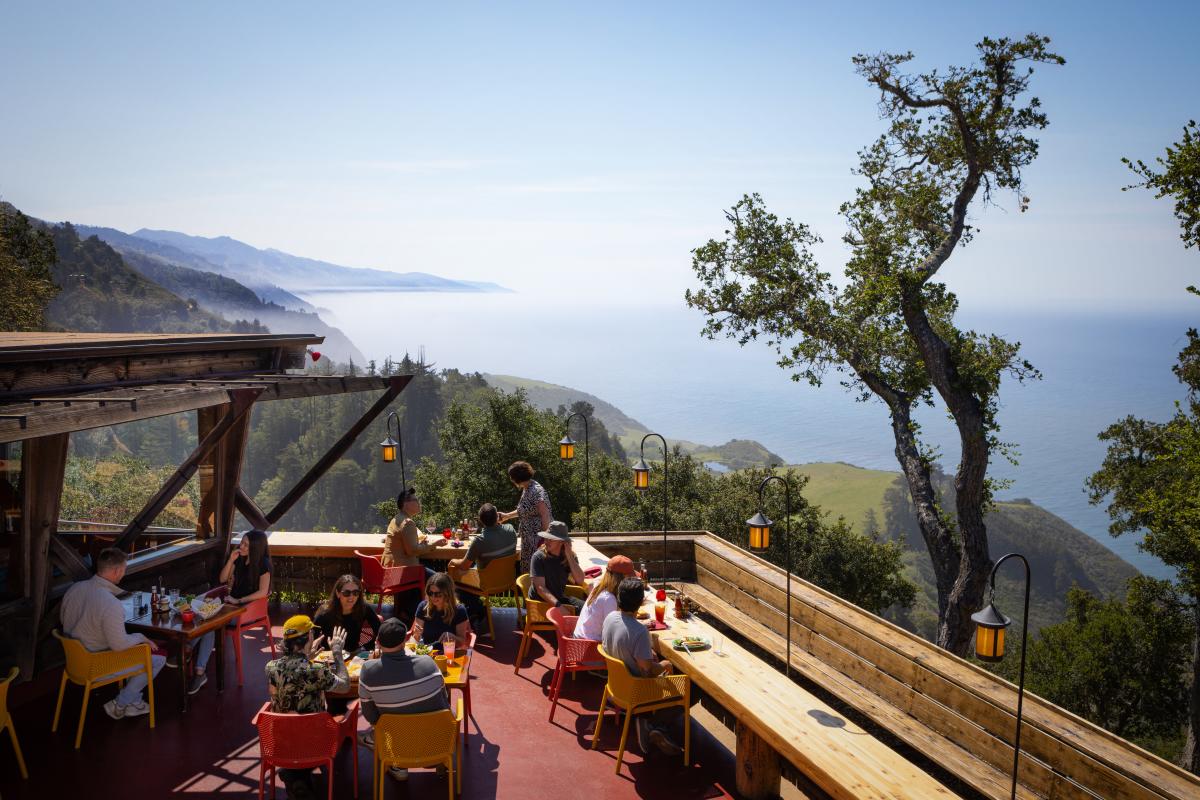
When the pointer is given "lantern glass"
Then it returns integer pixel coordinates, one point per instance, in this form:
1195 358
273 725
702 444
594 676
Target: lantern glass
989 643
388 448
641 479
566 451
760 537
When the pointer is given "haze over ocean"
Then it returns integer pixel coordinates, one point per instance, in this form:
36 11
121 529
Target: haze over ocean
651 362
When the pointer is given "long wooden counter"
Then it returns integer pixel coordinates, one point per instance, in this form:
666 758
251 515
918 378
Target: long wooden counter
323 544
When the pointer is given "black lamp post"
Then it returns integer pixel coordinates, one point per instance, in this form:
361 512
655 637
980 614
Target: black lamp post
641 482
760 541
390 446
989 646
566 451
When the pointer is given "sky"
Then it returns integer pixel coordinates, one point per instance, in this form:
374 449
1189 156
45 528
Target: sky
577 150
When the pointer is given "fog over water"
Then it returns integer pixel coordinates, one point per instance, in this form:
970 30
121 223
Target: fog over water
651 362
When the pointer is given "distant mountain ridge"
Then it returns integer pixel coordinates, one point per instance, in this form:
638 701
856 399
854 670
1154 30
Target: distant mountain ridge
250 265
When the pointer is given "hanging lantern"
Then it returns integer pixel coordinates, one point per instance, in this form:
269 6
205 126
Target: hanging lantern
641 475
566 448
760 533
989 633
388 447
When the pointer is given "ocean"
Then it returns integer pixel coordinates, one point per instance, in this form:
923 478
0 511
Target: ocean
651 362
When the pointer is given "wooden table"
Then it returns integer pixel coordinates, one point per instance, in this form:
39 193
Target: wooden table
776 715
321 544
171 628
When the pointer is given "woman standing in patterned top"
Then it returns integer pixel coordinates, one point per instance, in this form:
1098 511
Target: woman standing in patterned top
533 510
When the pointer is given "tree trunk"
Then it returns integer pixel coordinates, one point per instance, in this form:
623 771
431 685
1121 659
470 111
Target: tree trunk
1191 748
955 629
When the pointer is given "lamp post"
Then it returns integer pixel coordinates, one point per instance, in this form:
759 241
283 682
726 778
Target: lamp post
760 541
989 646
641 482
566 451
389 446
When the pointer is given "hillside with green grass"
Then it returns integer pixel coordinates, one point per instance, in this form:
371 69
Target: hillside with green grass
734 454
876 502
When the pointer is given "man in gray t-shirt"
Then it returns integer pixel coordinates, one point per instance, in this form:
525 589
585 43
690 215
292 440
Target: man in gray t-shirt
629 640
494 541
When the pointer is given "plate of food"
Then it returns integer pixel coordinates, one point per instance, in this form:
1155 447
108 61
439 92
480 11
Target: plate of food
206 606
643 614
691 643
184 602
420 648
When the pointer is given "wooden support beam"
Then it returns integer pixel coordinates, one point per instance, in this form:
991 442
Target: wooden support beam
63 556
250 510
240 403
43 465
227 476
395 384
758 770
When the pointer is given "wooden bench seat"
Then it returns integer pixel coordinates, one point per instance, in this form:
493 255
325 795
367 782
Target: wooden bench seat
957 714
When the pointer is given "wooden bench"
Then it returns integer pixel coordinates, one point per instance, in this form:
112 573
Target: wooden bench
778 718
953 712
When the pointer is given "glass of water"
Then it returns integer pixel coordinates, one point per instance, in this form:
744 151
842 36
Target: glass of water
718 644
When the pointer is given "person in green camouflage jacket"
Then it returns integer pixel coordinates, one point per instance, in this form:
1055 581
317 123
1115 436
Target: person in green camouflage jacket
298 685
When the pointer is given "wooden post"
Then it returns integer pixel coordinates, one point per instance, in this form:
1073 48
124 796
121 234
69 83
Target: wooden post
219 473
43 465
758 772
250 510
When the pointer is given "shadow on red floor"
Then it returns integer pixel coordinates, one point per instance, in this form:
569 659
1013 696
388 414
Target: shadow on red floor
511 750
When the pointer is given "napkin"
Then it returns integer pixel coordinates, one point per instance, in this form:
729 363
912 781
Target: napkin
592 572
655 625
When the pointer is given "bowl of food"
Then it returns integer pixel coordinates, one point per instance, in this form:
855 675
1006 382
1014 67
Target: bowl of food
691 643
421 649
184 602
643 614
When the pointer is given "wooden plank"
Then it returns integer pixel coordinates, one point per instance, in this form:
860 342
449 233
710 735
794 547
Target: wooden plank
1084 752
43 346
43 465
250 510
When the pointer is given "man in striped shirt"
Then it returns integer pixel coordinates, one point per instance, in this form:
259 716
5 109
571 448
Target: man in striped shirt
397 683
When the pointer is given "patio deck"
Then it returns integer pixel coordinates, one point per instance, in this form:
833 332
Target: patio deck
212 751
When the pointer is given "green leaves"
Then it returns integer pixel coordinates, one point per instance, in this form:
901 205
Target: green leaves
1178 179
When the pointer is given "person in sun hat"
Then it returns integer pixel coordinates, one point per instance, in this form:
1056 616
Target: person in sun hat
552 567
298 685
602 599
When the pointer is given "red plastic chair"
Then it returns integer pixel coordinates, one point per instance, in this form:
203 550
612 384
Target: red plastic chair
256 616
574 655
303 741
381 580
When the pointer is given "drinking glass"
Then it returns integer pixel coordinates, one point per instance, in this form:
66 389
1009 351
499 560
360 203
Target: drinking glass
660 611
719 644
448 646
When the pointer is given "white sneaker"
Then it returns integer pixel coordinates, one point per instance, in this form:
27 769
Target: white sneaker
113 710
140 708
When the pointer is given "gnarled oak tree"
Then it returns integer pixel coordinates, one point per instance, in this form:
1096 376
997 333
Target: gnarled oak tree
953 137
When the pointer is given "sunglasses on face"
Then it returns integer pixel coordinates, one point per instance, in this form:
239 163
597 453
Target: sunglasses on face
351 592
433 594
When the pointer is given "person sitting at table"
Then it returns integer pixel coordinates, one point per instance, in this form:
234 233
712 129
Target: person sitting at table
92 614
345 609
440 613
403 546
552 567
495 540
602 599
629 640
394 682
247 573
297 684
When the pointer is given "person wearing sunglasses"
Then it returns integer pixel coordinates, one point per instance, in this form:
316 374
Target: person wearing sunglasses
345 609
440 613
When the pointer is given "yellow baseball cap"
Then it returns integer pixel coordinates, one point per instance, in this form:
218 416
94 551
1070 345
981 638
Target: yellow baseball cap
299 625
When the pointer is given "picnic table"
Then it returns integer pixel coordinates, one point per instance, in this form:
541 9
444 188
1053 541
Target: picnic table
171 628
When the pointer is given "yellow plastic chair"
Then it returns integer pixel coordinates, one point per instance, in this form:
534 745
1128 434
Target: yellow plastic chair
642 696
533 614
6 719
494 579
92 670
420 740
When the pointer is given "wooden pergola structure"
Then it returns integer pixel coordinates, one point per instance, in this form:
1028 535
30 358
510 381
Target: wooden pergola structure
54 384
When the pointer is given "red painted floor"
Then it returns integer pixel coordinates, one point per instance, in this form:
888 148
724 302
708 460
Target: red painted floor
211 751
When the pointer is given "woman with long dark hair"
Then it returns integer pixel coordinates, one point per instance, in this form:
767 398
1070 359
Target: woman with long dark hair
345 609
247 573
533 510
440 613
